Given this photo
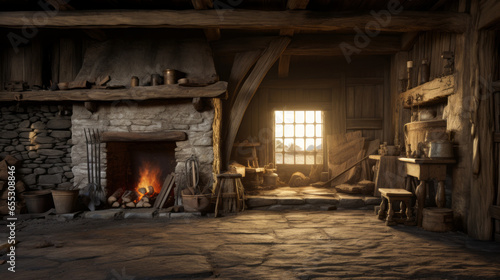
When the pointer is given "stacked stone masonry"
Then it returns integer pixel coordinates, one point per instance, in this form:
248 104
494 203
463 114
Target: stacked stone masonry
40 136
143 116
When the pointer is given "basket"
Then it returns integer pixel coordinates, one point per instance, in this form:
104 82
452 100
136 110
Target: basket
196 203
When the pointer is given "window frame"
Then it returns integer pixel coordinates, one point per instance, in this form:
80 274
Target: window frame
317 154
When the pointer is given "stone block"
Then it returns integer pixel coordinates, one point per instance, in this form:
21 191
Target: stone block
24 135
109 214
61 134
50 152
8 134
38 125
349 201
44 140
259 201
55 170
50 179
65 185
30 179
69 175
24 124
39 171
59 124
20 148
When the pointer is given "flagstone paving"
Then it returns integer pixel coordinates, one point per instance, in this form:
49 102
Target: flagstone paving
349 244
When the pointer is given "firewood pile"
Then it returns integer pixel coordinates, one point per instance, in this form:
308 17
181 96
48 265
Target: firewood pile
142 197
9 177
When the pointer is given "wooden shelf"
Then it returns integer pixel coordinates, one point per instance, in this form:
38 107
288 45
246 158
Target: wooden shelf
431 92
135 93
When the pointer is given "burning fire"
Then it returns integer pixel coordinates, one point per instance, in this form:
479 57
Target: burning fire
149 176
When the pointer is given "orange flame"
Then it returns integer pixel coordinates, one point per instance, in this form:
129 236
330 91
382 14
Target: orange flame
149 176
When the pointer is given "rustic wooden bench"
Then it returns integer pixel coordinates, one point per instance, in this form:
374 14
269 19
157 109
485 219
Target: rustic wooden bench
391 196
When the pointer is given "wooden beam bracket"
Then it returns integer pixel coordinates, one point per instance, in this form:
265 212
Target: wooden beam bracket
431 92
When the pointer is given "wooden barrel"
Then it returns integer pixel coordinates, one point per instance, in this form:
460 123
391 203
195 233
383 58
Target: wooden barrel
437 219
415 131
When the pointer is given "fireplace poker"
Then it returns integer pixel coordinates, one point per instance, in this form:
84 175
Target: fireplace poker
88 155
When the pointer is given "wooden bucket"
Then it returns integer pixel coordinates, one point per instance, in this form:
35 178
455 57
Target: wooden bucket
437 219
415 131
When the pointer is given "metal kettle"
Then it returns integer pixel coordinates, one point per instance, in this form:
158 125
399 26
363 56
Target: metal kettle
440 149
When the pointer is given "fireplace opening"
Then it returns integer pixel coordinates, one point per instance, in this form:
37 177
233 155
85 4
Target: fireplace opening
139 169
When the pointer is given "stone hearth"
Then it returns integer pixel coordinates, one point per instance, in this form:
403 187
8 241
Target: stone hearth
141 117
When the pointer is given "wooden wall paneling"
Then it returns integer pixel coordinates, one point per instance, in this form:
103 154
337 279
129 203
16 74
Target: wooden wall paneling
388 129
16 72
398 72
250 86
55 62
70 59
33 63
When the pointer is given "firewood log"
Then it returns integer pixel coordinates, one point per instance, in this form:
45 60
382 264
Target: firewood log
115 196
147 205
115 204
151 190
129 196
145 199
140 204
130 204
142 190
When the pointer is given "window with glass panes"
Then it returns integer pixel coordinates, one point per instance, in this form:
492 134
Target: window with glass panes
298 137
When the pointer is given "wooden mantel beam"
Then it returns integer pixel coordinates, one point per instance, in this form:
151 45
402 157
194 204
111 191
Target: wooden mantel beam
136 93
406 21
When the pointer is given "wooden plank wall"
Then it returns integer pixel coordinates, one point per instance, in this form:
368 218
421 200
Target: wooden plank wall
430 46
41 61
353 98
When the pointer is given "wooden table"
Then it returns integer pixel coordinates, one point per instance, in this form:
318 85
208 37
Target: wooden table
389 197
425 169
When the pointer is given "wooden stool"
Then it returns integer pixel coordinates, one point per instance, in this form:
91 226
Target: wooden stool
389 197
230 193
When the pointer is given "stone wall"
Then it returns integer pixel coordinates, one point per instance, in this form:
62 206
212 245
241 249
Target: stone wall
39 135
146 117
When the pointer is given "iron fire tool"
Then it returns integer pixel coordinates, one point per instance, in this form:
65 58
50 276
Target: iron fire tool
95 191
192 168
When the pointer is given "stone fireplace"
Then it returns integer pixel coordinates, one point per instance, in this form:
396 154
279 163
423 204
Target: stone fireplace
121 160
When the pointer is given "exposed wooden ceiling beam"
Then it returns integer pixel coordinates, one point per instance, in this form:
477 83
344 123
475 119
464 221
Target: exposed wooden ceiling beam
212 34
249 87
490 14
309 45
408 39
297 4
61 5
405 21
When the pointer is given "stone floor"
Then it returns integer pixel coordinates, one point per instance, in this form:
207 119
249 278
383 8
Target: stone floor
308 198
344 243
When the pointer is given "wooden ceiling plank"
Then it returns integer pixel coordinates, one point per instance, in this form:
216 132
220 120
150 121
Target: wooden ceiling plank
308 45
410 38
212 34
297 4
406 21
490 14
250 86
